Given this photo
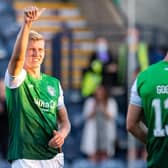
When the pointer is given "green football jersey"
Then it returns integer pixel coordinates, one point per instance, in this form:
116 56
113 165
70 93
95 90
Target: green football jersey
32 109
152 87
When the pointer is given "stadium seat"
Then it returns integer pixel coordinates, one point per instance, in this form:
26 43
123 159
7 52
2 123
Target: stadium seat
70 148
4 164
6 9
112 164
3 51
83 163
138 164
67 165
3 66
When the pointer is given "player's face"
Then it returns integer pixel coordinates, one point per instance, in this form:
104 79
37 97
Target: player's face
35 54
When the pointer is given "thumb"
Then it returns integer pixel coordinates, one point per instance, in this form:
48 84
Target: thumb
54 132
41 11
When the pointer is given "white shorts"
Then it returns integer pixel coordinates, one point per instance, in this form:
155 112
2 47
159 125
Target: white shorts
56 162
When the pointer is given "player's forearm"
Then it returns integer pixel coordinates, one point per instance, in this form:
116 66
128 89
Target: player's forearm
64 123
17 60
134 122
22 41
139 131
65 128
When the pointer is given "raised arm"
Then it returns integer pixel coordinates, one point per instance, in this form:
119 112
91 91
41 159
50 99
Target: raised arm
18 56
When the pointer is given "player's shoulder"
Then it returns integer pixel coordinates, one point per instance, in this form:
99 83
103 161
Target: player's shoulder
149 74
151 69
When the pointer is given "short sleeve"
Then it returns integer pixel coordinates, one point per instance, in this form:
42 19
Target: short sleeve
15 81
135 99
61 98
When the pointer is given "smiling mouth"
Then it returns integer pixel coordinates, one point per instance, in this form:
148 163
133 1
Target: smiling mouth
36 60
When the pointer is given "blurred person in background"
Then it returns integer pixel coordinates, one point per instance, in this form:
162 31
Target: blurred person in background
105 56
102 68
92 78
147 115
99 134
3 122
38 119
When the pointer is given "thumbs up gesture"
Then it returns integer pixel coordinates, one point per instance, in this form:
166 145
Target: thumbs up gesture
57 141
32 13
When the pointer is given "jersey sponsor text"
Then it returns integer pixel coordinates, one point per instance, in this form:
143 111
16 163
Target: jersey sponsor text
44 104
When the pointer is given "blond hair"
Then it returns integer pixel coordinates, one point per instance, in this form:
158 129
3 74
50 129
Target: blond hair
33 35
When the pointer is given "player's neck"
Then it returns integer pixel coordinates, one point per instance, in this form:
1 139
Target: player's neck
34 72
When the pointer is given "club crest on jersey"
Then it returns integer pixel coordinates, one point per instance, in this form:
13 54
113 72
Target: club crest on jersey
51 90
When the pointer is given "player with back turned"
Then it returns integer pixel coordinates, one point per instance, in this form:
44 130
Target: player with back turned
149 105
38 119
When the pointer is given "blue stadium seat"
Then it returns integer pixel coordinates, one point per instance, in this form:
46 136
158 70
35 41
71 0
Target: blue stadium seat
138 164
8 27
10 44
4 164
70 148
3 51
66 164
7 9
83 163
3 67
112 164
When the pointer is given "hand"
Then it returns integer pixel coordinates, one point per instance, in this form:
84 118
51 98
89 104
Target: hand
102 107
32 13
57 141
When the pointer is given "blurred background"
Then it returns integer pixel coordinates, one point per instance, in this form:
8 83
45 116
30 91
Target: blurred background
96 48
